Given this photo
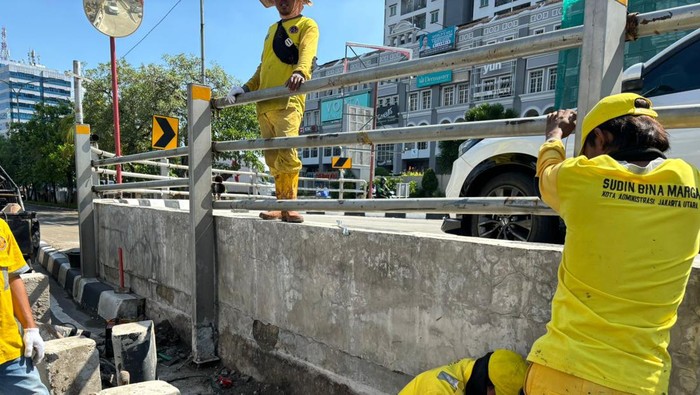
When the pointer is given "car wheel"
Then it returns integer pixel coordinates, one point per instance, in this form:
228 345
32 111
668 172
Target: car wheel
511 227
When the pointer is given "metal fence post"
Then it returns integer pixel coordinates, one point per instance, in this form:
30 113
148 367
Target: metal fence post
86 213
202 234
602 54
341 188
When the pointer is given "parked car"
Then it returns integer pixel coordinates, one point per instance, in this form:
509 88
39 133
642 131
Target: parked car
264 187
112 7
506 166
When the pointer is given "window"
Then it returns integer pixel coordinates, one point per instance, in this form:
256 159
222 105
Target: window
426 100
538 31
327 152
434 16
462 93
448 96
413 102
552 82
484 3
535 79
675 74
392 10
305 153
504 85
508 38
422 145
336 151
314 152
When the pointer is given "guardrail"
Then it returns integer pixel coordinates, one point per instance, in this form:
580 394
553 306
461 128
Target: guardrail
601 39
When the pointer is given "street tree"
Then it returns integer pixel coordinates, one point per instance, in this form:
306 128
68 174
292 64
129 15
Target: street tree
449 150
161 89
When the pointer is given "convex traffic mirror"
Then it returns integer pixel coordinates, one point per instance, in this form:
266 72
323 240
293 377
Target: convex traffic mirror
115 18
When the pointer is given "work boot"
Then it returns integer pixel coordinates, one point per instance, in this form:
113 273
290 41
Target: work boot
266 215
292 216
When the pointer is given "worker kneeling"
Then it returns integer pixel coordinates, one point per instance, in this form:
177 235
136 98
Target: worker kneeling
501 372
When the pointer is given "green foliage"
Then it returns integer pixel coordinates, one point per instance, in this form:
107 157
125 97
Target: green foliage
449 150
161 89
429 183
39 154
381 172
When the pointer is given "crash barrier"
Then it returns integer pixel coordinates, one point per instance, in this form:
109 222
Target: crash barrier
600 55
260 186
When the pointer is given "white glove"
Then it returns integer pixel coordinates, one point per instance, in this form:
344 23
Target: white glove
33 341
235 91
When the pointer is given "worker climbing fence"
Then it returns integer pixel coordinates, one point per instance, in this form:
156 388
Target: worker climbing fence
602 41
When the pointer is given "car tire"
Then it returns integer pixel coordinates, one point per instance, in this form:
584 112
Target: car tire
512 227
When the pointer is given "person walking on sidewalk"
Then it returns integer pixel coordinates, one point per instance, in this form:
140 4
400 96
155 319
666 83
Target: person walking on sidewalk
288 57
18 374
497 373
632 232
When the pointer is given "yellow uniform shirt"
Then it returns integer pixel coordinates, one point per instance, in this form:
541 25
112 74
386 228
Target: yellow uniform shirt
11 262
445 380
272 72
630 243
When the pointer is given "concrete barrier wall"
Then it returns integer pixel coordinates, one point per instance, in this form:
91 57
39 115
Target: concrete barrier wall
358 313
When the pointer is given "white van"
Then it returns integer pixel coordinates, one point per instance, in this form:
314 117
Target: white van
506 166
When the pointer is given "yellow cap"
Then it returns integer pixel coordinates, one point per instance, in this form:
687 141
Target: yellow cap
270 3
612 107
507 372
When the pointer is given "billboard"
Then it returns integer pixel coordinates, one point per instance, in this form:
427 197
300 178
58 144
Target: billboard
332 110
437 42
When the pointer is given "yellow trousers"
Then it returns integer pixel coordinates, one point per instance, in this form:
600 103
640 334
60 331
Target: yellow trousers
542 380
281 123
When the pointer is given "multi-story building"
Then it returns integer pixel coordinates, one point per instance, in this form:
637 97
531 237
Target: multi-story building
429 27
23 85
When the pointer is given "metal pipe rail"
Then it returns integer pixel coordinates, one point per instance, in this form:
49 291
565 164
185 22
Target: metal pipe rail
671 118
470 205
107 154
180 151
653 23
180 182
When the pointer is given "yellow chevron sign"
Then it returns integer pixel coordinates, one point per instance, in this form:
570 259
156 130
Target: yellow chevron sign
164 134
339 162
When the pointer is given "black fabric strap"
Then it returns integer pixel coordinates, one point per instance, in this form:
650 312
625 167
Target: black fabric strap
479 379
284 47
637 154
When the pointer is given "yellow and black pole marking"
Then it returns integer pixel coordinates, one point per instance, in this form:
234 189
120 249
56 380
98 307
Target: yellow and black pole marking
339 162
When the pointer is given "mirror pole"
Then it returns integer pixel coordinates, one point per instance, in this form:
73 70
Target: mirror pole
115 106
201 35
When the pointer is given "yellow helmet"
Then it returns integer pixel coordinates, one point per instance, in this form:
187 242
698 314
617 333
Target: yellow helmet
507 372
270 3
612 107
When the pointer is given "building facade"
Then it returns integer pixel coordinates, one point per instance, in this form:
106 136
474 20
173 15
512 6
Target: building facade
429 27
23 85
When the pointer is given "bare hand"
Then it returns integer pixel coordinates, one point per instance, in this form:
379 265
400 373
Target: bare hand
295 81
560 124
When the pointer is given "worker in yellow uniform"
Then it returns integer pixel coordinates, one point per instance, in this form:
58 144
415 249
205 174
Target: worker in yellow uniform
498 373
18 375
632 232
288 57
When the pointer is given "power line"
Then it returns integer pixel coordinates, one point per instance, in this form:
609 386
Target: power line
153 28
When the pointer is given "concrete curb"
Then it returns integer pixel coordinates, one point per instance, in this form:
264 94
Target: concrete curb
95 295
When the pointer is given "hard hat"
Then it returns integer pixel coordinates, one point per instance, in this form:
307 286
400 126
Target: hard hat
270 3
507 372
612 107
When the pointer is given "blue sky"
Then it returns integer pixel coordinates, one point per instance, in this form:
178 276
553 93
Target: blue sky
59 31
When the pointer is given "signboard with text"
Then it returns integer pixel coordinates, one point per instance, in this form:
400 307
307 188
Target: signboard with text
387 115
332 110
439 77
437 42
